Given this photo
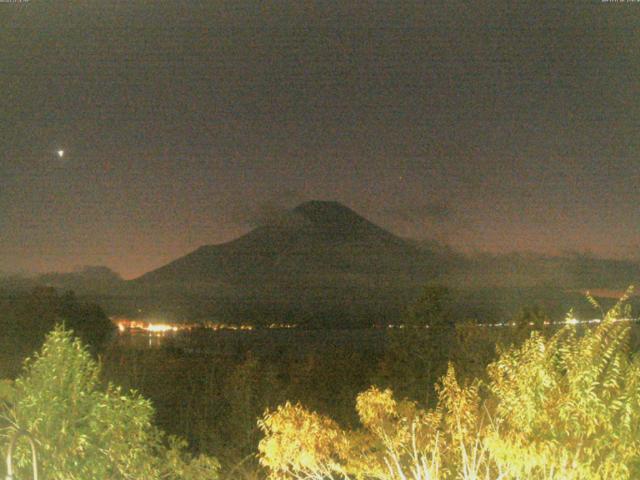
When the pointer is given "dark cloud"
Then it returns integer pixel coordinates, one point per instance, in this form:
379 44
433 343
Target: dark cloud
439 221
275 210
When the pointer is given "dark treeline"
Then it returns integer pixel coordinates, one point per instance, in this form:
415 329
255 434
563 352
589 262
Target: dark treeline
27 316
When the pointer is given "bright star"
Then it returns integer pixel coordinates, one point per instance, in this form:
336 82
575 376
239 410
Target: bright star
60 153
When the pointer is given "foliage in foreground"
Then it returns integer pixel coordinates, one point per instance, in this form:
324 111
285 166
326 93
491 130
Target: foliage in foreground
567 407
86 431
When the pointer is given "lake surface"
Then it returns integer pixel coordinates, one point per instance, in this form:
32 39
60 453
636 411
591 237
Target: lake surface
232 342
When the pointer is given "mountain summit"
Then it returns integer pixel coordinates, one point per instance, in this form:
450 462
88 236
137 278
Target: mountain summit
340 223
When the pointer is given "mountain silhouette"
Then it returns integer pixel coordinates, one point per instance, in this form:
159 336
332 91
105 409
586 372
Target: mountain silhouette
315 238
320 262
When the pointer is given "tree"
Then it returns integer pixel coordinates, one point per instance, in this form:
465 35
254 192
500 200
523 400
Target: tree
432 309
418 353
87 431
528 319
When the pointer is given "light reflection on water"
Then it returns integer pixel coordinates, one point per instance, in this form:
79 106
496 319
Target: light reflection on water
139 340
229 342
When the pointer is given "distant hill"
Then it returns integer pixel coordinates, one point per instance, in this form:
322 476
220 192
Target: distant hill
88 280
572 271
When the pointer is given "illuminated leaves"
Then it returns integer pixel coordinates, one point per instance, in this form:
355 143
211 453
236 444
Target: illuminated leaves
570 403
563 408
398 440
299 442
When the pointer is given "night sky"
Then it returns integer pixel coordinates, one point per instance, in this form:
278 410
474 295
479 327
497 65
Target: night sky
487 125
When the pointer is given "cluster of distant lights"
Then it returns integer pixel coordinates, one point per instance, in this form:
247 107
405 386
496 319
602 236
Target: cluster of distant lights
567 321
162 328
150 327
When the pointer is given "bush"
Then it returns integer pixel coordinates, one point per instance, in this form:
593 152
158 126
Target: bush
86 431
569 407
564 408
